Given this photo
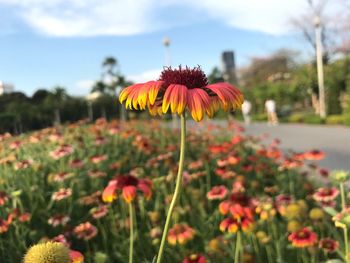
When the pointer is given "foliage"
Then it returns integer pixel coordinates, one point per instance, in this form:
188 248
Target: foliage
52 180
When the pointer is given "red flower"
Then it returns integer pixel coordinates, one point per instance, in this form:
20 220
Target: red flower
242 217
329 245
235 199
217 192
3 198
282 201
314 155
181 89
194 258
303 238
326 194
129 186
85 231
180 233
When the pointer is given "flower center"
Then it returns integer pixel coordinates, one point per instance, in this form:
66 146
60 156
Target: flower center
191 78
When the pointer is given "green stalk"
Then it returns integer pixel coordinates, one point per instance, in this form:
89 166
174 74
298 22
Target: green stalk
131 249
177 187
238 247
345 230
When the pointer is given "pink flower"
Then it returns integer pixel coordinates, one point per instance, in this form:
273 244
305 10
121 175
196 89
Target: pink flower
217 193
61 194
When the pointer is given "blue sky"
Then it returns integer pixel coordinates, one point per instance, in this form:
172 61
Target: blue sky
60 42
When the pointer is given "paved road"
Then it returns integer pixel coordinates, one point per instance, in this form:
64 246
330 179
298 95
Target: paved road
333 140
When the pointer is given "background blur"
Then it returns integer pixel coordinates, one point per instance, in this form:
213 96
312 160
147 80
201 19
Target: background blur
62 61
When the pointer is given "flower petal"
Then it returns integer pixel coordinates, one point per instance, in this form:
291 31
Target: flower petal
198 102
109 193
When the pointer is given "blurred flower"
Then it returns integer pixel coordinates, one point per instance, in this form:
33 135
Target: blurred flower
179 89
85 231
340 176
3 198
316 214
62 239
76 163
265 208
98 158
180 234
234 200
15 145
329 245
61 151
23 164
263 237
314 155
99 212
76 256
91 199
217 193
293 226
60 177
217 245
61 194
128 185
4 225
343 218
96 174
325 194
194 258
303 238
58 220
242 218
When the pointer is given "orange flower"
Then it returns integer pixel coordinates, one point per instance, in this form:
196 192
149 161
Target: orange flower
180 233
234 200
129 186
303 238
76 256
314 155
181 89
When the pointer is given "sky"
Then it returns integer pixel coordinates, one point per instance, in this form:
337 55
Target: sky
45 43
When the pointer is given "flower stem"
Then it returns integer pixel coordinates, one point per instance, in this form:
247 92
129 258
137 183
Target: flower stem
131 248
343 206
177 187
238 247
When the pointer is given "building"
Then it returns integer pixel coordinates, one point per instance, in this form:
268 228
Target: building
6 88
228 66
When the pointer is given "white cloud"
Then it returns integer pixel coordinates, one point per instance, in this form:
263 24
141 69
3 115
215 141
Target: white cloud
82 87
129 17
145 76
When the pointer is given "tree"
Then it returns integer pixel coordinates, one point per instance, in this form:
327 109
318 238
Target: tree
56 100
215 75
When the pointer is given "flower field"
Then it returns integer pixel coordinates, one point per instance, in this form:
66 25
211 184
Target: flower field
88 185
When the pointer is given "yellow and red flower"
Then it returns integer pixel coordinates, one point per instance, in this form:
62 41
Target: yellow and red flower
76 256
181 89
195 258
242 218
180 234
128 185
303 238
234 200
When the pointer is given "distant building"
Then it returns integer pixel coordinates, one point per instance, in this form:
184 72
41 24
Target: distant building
6 88
229 66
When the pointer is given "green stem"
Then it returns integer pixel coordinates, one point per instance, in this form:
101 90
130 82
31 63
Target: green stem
238 247
177 187
345 230
131 249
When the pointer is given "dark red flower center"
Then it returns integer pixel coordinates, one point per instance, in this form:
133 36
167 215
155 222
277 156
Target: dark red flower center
191 78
